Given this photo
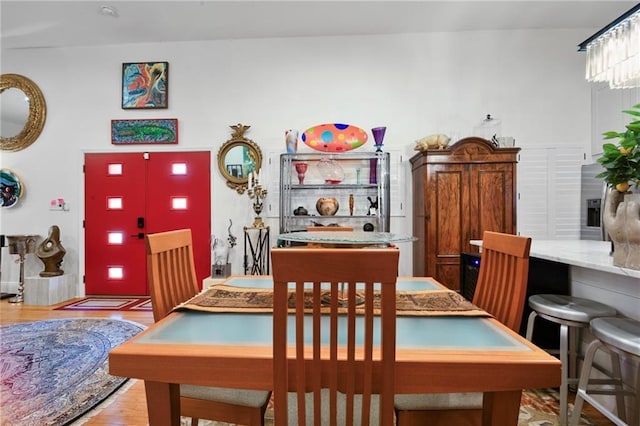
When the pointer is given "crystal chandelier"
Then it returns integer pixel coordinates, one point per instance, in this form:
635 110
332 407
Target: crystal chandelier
613 53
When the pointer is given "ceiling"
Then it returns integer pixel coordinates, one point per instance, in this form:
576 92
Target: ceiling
40 24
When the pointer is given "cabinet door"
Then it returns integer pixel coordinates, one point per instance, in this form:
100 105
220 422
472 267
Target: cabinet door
419 220
447 206
491 204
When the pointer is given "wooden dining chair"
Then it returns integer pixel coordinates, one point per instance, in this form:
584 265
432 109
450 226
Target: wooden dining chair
172 280
501 291
338 365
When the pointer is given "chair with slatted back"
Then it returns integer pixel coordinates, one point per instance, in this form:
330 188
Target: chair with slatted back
501 290
172 280
340 366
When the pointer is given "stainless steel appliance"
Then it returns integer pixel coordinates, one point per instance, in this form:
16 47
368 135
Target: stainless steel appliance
592 200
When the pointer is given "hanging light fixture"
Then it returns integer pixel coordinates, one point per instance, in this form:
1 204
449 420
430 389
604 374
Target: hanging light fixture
613 53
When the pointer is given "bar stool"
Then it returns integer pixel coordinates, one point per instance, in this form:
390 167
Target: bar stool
572 313
619 336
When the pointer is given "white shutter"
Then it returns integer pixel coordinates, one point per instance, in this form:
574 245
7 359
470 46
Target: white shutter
549 192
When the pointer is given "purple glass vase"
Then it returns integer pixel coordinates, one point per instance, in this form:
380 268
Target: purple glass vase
373 170
378 137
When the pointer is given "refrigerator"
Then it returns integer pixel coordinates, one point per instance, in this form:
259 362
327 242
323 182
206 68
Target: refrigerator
593 193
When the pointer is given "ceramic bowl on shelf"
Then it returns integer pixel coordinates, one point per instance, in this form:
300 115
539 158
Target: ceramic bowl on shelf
327 206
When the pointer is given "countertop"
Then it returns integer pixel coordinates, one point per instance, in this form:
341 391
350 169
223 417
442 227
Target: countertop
584 253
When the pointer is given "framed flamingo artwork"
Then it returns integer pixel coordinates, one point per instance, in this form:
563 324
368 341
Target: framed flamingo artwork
145 85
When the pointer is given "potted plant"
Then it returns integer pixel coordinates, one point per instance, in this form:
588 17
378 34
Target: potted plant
621 161
621 215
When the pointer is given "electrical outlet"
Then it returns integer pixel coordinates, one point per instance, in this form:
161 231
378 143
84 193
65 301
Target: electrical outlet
58 204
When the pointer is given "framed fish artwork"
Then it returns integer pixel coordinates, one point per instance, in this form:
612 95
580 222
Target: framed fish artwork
144 131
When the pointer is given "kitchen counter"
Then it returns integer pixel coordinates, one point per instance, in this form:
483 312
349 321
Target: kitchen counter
588 254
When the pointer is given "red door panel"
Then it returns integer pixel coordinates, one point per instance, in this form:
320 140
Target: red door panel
114 199
182 199
130 194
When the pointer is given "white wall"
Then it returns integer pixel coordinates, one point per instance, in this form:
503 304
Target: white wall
414 84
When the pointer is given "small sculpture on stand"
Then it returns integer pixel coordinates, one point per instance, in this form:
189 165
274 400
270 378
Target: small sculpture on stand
21 245
232 239
221 267
373 206
220 258
256 193
51 252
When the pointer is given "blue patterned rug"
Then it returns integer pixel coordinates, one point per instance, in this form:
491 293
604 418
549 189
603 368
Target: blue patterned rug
52 372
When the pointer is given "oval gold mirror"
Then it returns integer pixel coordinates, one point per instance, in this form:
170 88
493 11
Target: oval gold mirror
238 157
23 112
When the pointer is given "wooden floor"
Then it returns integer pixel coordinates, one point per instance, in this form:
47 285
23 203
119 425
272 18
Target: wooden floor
130 408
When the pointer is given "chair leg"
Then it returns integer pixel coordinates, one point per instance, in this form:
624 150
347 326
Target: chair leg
530 322
194 421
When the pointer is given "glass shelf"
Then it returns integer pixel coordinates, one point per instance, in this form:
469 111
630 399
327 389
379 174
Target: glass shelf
363 195
346 238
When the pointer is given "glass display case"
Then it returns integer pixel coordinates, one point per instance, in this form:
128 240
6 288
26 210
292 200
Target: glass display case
346 189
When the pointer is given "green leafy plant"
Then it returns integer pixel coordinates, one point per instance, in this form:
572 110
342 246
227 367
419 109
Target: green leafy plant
621 161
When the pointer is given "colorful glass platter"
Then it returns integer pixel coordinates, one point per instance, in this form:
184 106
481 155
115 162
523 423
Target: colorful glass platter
11 188
334 137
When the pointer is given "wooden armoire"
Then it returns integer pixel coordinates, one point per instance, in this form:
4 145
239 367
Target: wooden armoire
458 193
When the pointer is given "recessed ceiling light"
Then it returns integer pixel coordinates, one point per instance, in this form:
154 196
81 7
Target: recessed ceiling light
108 11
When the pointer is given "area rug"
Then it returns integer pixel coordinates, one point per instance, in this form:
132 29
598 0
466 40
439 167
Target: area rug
53 371
538 407
109 304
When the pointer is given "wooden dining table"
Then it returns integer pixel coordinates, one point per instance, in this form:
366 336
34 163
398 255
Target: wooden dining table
434 354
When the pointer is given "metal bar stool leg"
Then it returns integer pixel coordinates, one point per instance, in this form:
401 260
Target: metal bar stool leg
635 408
584 380
618 337
618 386
530 322
564 385
574 336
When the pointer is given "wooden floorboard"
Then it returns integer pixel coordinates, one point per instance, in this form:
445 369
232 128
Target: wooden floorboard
128 407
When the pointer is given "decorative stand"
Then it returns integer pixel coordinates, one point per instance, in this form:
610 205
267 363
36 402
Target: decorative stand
21 245
256 246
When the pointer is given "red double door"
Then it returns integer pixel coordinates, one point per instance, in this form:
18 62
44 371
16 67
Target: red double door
128 195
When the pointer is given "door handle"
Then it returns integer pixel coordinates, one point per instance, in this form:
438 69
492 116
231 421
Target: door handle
139 235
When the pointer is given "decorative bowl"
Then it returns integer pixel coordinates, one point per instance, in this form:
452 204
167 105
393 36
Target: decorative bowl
327 206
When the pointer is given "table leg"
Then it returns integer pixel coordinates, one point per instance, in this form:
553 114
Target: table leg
501 408
163 403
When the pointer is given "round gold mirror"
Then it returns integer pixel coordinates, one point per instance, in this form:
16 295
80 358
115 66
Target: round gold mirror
238 157
22 112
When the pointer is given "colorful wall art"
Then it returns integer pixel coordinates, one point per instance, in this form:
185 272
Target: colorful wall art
11 188
144 131
145 85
